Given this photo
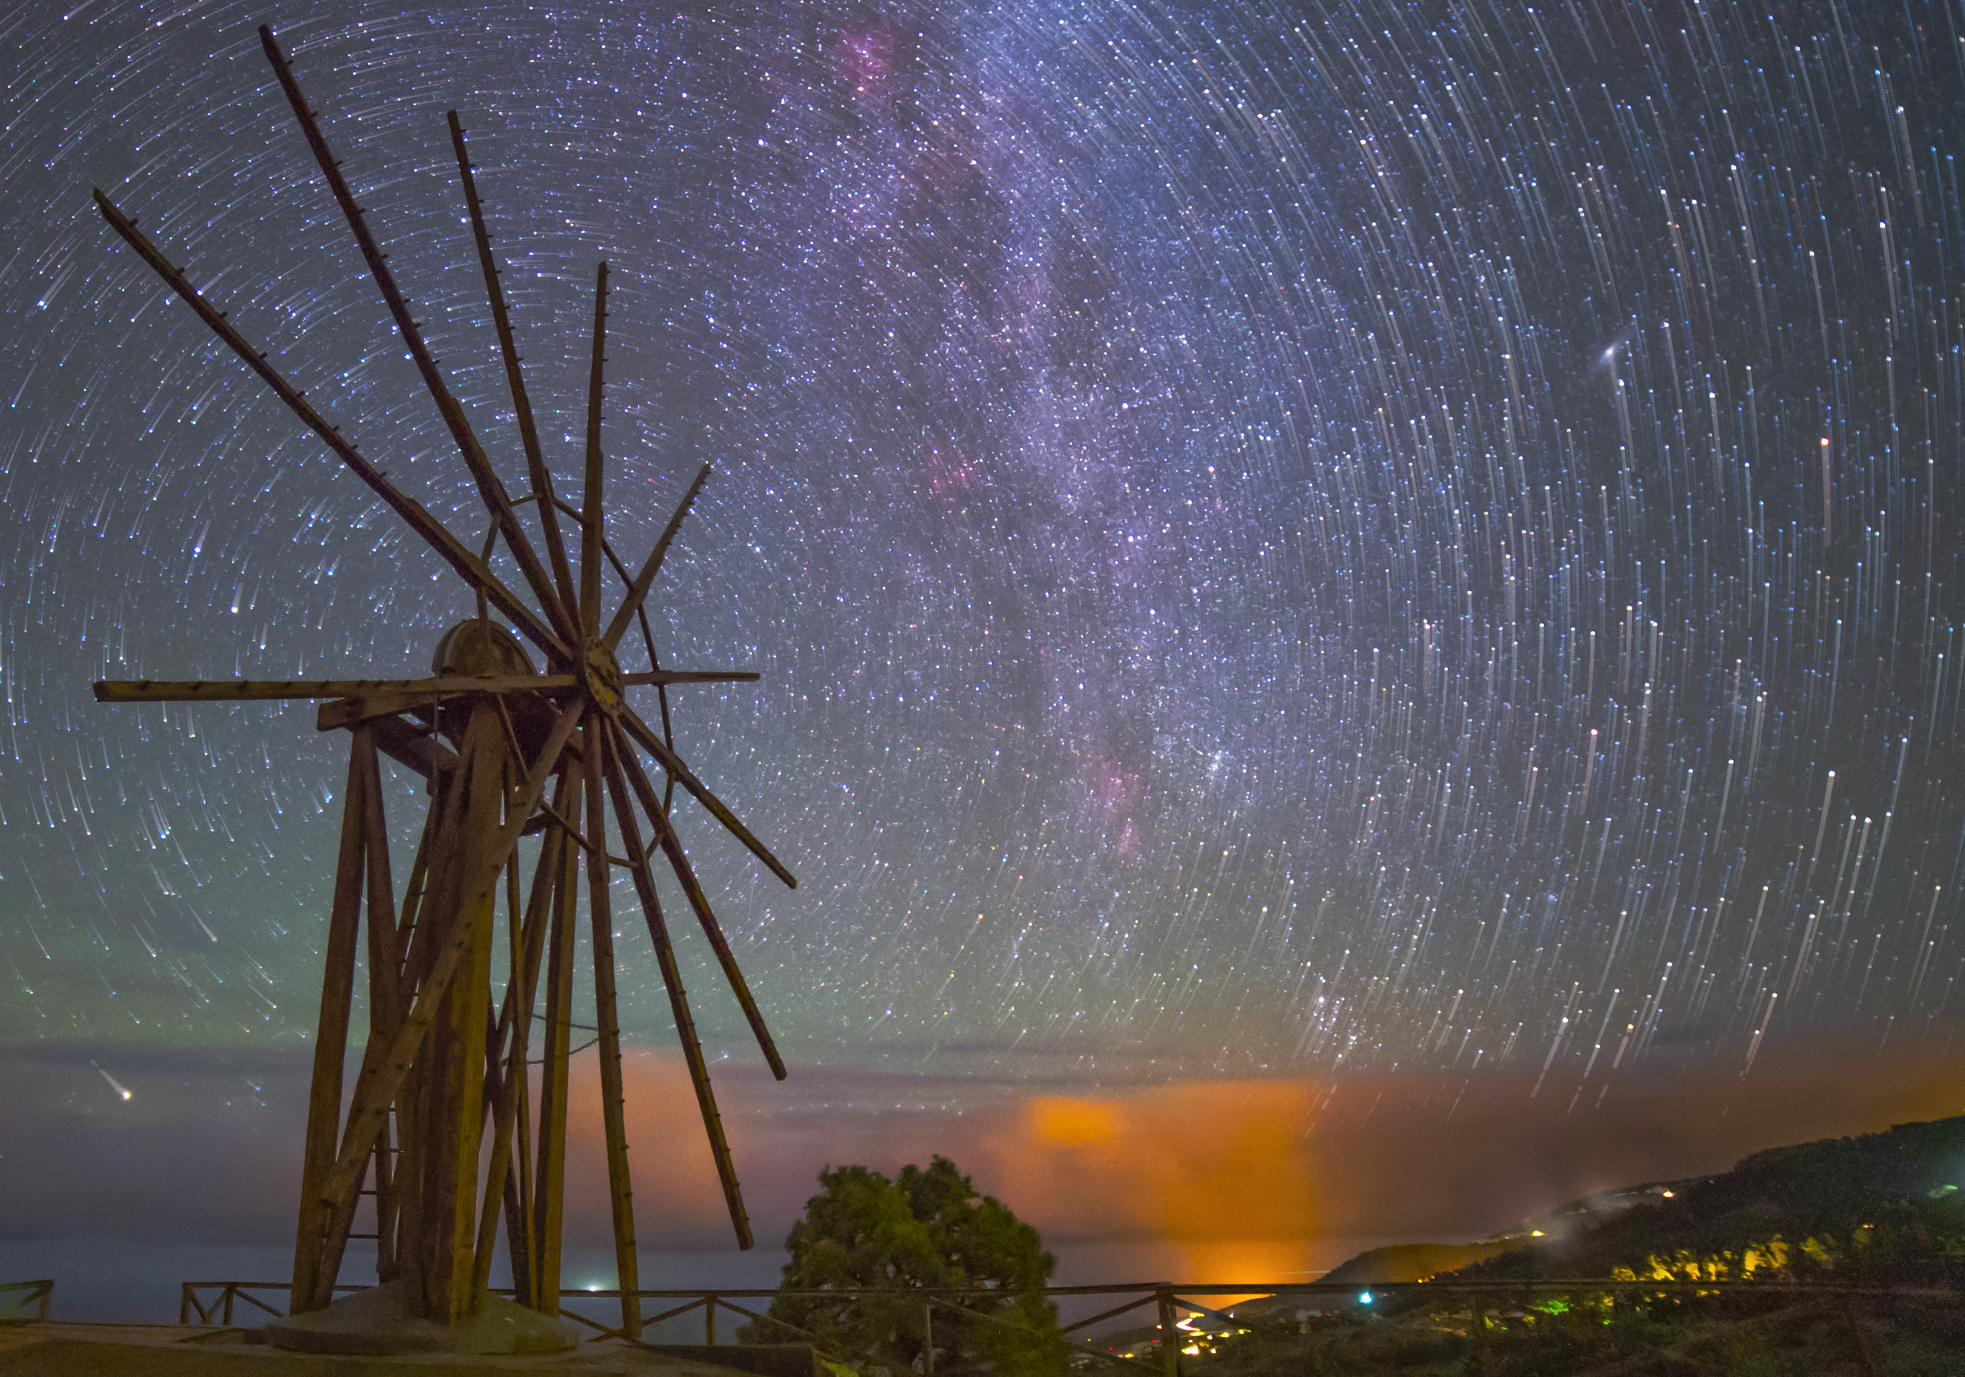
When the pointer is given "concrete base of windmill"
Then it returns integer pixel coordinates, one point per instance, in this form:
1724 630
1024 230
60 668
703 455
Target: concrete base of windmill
378 1320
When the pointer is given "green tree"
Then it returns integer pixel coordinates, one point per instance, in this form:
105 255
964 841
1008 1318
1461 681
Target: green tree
926 1230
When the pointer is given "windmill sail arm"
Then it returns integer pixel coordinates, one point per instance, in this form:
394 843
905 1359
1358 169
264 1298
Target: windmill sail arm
691 676
639 590
672 763
686 874
244 690
472 569
496 501
685 1022
535 461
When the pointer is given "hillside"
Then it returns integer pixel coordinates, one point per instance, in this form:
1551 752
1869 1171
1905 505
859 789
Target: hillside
1885 1206
1883 1213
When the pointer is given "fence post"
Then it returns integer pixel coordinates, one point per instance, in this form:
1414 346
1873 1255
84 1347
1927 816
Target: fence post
231 1290
927 1338
1169 1340
47 1298
709 1320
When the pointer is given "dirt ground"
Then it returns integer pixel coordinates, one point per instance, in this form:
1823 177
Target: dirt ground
142 1350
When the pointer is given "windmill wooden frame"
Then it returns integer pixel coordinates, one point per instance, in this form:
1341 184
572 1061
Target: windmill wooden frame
528 753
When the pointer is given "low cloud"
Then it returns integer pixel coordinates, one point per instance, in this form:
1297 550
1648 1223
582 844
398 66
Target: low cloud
1397 1155
207 1148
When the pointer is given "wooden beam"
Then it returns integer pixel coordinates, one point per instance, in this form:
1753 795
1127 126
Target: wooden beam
691 676
638 590
388 702
386 1005
372 697
310 1289
606 1018
515 1022
405 697
501 319
671 762
248 690
548 1196
685 1023
412 746
473 570
490 489
458 1052
686 876
591 514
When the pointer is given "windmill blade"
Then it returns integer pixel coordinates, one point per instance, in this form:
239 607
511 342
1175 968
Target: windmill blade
685 1023
469 567
686 876
664 677
535 459
590 513
245 690
672 763
490 489
639 589
410 691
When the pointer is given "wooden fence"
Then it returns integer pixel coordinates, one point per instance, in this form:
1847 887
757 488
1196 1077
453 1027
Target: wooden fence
18 1298
1167 1299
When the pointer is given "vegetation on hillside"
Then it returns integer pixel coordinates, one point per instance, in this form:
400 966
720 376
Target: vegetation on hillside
1881 1217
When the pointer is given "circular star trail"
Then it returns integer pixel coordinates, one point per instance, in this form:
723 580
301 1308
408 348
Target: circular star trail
1361 536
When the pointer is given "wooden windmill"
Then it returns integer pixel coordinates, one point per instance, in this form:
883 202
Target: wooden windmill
507 751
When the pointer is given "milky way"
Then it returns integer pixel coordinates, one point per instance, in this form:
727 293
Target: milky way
1358 536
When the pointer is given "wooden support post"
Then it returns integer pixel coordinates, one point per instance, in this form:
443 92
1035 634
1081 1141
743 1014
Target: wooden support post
517 1244
709 1320
387 1006
457 1050
310 1290
457 892
1169 1333
504 1172
550 1172
606 1018
414 946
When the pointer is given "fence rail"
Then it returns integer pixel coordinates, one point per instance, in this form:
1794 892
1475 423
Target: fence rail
19 1297
1167 1298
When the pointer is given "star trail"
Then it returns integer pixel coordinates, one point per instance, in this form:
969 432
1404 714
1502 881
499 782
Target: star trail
1278 538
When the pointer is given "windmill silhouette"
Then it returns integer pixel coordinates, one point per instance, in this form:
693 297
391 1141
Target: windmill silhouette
508 750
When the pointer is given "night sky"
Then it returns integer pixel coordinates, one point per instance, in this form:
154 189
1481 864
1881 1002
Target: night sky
1338 546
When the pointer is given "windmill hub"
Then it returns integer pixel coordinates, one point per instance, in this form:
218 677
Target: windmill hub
478 649
601 673
482 649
